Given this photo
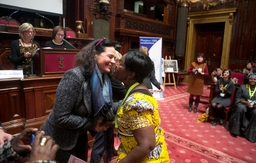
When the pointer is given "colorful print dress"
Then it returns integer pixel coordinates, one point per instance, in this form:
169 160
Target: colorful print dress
138 111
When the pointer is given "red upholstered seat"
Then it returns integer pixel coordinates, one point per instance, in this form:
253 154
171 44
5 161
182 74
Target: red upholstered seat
4 20
70 33
239 76
228 108
14 23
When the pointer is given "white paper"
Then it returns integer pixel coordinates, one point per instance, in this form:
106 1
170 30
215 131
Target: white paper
5 74
169 69
74 159
35 52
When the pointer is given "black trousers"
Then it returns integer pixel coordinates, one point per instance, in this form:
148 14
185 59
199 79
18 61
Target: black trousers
80 150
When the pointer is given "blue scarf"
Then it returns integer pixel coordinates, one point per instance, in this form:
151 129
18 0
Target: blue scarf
101 92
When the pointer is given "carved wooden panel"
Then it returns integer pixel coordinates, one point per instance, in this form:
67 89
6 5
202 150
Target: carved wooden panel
133 25
12 111
10 99
27 102
243 41
205 5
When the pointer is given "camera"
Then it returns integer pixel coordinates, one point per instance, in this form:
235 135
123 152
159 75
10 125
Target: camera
196 72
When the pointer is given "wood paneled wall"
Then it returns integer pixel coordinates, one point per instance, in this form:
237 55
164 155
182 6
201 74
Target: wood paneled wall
243 43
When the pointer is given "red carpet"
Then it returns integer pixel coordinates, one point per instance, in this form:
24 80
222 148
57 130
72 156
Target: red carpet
194 142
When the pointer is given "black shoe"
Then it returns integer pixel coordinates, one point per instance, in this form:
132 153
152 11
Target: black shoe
190 109
220 122
195 109
233 135
215 122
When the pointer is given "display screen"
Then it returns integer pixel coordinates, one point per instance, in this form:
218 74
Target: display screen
45 6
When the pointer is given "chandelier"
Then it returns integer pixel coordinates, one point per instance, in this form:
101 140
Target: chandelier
206 3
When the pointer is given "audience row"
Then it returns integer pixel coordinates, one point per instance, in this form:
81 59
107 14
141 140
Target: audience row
242 121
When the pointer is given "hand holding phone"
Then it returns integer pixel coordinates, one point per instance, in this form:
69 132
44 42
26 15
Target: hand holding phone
43 147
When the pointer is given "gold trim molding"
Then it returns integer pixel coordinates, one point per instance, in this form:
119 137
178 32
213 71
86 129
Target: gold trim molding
226 16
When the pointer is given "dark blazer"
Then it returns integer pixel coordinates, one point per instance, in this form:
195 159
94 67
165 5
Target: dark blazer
151 78
62 46
17 56
71 113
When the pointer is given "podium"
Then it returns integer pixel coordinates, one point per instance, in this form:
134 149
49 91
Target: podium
55 61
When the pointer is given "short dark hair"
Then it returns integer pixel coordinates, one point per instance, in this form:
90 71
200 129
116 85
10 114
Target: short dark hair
200 55
56 29
230 72
139 63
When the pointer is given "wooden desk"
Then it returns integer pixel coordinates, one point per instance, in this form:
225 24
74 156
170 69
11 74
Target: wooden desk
26 102
54 62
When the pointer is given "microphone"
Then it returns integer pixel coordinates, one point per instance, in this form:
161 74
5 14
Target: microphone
46 19
83 27
69 43
9 17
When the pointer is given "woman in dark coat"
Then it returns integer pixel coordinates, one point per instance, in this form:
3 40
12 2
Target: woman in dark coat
243 119
151 78
83 100
223 89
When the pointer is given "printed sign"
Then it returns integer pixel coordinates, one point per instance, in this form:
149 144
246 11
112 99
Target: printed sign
5 74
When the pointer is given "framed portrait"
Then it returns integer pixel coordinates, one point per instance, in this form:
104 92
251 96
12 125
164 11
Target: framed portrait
171 66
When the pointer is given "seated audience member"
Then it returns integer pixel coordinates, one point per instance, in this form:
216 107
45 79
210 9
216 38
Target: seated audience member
138 121
216 75
58 34
18 149
223 89
248 69
243 118
24 48
151 78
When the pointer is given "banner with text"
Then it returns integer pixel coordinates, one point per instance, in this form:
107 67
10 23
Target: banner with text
154 45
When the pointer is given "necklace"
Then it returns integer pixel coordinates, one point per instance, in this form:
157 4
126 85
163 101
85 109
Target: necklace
25 44
57 43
